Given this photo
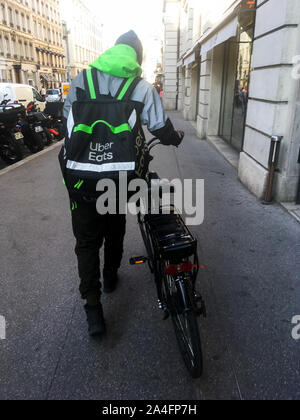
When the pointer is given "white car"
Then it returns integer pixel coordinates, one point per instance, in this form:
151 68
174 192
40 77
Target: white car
53 95
23 94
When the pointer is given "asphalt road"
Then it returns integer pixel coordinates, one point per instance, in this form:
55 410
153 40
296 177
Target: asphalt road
251 286
25 151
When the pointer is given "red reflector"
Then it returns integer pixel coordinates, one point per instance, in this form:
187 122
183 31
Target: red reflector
187 267
171 270
16 102
54 132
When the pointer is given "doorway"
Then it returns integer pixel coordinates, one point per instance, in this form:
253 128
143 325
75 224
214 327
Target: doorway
195 86
236 79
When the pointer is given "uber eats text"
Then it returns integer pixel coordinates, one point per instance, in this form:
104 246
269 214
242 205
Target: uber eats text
100 152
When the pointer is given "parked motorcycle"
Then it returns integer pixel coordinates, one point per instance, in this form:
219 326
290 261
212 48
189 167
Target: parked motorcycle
42 125
33 129
55 110
10 132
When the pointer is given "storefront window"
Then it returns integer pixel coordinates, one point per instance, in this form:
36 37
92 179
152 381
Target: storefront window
236 79
241 88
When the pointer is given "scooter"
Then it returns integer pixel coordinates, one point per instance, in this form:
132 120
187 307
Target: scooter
33 129
10 132
55 110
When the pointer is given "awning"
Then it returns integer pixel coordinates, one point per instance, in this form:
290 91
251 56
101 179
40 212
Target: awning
225 33
190 59
48 77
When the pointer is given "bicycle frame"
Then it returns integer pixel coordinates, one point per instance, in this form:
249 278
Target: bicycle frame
170 246
154 258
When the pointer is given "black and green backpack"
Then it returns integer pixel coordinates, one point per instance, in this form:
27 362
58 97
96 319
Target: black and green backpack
107 137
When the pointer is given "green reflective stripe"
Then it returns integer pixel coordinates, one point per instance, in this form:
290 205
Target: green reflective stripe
125 88
79 184
91 83
74 205
64 182
89 129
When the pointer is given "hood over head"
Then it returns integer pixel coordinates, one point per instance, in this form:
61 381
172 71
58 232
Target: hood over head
120 61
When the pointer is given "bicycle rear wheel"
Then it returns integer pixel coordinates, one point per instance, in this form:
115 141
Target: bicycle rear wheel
185 324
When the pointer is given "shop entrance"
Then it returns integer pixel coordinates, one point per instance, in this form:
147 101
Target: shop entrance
236 79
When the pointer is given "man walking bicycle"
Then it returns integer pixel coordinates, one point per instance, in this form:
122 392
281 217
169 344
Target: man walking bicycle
105 110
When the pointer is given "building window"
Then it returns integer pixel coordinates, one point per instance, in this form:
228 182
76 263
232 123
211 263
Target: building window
10 16
14 48
18 20
20 50
7 46
1 46
3 14
23 22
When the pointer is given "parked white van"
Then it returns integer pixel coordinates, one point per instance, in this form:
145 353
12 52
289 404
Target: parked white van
21 93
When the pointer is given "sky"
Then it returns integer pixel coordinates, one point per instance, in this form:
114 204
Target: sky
143 16
119 16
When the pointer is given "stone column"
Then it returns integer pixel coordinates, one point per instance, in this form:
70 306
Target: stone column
204 95
272 99
171 21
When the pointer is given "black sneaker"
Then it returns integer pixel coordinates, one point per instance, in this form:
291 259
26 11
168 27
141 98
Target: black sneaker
110 280
95 319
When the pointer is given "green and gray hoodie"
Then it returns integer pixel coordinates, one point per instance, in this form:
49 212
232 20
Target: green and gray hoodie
114 65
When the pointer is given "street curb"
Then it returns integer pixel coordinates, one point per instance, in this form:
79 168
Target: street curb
293 210
228 153
30 158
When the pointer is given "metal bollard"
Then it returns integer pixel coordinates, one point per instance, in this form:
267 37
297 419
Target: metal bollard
273 162
298 192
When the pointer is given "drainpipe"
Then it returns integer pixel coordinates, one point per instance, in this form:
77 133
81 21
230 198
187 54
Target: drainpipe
273 163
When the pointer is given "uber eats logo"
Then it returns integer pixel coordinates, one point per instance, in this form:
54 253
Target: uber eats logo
101 152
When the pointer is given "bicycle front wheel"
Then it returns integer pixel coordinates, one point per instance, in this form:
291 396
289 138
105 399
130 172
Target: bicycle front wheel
185 325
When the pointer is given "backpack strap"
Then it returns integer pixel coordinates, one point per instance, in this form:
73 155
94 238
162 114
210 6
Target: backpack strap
91 83
127 87
120 89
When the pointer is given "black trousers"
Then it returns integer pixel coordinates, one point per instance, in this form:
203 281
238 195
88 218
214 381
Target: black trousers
91 230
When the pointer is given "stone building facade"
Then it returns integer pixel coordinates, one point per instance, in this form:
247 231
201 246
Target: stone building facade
83 34
233 68
31 45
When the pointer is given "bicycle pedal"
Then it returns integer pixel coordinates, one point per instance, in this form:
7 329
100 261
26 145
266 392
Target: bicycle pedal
138 260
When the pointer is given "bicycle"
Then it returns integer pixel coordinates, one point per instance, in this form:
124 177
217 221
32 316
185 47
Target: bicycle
173 260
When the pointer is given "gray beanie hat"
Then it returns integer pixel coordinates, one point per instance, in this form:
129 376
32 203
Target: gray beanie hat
130 38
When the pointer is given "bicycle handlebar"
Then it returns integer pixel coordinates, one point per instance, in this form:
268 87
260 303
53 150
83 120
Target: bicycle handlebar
150 143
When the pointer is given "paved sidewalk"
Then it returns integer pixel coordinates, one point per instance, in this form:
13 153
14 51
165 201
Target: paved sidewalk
251 287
